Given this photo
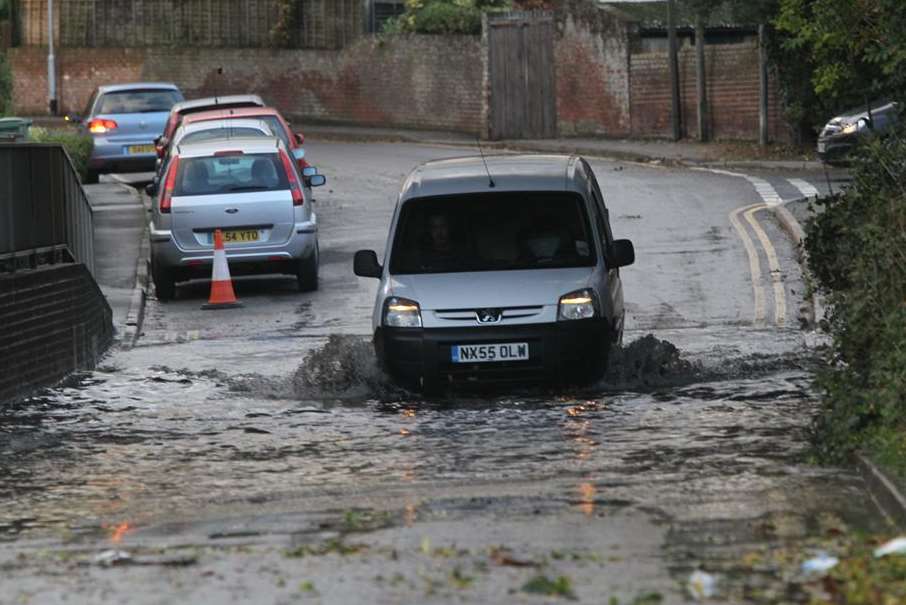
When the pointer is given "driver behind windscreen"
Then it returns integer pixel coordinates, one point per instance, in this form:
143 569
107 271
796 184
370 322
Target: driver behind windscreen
438 250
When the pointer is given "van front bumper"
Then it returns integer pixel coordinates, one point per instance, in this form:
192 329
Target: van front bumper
562 352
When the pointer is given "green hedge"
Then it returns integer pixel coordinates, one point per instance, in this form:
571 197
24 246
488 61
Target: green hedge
6 86
78 146
857 252
444 16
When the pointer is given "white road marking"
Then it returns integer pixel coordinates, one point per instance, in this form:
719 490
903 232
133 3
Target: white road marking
764 188
754 262
804 187
774 264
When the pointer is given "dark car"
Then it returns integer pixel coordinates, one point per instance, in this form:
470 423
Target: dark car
842 133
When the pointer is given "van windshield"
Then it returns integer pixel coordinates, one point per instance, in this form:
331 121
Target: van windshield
492 232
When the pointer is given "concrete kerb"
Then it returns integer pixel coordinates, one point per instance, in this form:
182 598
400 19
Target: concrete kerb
796 233
136 313
885 492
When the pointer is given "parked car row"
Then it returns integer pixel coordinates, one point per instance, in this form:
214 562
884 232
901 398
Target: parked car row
224 162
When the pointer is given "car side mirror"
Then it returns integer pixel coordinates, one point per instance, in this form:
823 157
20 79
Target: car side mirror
317 180
300 138
309 171
298 153
365 264
623 253
151 189
73 117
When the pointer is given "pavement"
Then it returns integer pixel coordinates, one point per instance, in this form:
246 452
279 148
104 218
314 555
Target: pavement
683 152
119 237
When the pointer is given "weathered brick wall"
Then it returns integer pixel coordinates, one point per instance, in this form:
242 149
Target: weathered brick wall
592 69
732 90
53 321
430 82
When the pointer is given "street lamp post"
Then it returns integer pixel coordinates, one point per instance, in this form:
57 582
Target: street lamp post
51 68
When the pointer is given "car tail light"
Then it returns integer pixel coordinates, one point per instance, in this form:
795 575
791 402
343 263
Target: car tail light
166 198
100 126
294 186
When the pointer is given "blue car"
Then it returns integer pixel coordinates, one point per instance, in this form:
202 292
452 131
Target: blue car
124 120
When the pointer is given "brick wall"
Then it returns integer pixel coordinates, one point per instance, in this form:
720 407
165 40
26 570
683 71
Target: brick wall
592 69
430 82
731 75
53 321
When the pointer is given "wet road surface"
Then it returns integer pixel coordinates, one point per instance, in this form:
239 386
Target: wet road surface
267 435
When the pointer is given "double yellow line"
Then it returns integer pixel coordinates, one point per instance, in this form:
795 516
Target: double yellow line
755 264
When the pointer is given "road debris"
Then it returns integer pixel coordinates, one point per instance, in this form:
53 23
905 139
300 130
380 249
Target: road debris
116 558
897 546
702 585
821 563
561 587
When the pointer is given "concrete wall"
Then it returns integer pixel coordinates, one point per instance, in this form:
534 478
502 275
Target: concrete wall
53 321
430 82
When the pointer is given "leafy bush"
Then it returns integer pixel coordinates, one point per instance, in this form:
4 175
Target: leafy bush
857 251
6 86
444 16
78 146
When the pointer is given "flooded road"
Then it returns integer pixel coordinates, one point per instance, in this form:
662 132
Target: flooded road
267 445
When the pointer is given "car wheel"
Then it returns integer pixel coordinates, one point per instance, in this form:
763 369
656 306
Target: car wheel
164 282
91 177
307 274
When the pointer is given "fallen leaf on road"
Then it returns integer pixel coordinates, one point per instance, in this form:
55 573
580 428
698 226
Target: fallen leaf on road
503 556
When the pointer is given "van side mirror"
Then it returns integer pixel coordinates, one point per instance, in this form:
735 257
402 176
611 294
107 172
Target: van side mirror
365 264
623 253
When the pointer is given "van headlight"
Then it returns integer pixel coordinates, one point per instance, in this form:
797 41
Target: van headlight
581 304
402 313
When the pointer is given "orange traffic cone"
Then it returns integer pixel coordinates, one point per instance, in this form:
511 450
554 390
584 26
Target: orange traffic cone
222 296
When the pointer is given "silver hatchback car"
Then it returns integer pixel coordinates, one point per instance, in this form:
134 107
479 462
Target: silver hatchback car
251 190
498 271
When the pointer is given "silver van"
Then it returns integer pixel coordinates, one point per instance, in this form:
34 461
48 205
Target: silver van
498 269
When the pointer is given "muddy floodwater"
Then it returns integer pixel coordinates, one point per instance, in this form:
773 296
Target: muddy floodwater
714 455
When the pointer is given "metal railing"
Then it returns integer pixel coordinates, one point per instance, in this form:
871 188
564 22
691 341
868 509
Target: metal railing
45 217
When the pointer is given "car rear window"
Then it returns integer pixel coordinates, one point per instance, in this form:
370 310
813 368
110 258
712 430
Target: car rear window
230 174
138 101
221 133
492 232
277 127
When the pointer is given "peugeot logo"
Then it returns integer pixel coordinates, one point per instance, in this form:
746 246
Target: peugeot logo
231 210
489 316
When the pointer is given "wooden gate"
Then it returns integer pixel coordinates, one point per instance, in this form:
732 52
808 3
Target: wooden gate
521 65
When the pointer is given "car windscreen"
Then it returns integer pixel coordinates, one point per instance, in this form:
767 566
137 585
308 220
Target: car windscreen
220 133
492 232
138 101
230 174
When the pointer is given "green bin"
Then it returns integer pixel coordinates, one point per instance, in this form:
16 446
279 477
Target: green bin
12 129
